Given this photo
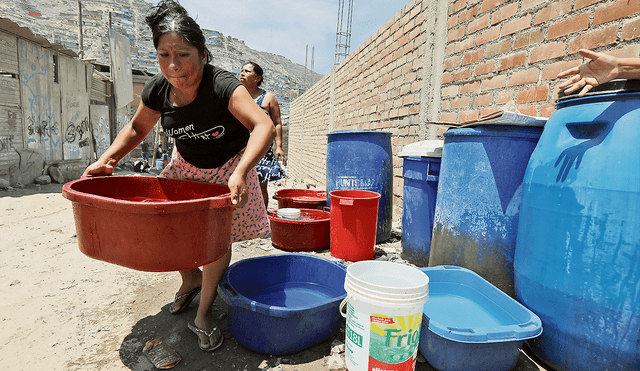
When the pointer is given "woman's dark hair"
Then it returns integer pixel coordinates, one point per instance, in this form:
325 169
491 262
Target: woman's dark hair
257 70
169 16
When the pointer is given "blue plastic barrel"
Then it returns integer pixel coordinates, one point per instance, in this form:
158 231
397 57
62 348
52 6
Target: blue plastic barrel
478 204
362 160
421 172
577 262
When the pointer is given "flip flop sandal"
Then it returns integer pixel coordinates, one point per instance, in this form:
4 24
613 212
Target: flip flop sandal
159 353
185 304
216 330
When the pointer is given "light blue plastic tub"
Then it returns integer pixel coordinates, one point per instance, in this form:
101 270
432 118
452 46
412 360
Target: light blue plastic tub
469 324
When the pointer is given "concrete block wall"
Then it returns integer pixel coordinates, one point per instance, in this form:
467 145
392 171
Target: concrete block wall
501 51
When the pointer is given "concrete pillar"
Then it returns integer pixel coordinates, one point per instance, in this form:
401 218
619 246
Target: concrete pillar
435 29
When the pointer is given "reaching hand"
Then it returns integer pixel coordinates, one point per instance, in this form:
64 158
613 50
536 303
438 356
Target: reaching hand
280 156
238 187
98 168
601 68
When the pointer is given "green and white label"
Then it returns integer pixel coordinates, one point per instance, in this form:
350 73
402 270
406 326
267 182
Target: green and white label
354 337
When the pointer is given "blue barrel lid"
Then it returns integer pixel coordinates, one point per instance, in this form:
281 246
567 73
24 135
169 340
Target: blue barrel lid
610 87
340 132
507 131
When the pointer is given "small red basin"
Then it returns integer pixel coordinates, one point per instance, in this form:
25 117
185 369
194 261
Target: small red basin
300 198
309 233
150 224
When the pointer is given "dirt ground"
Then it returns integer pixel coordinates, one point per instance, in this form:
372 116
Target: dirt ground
61 310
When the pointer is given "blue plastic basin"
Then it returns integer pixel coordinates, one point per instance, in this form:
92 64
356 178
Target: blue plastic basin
469 324
282 304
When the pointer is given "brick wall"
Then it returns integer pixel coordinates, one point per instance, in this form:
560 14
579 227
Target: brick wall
438 63
308 126
376 88
501 51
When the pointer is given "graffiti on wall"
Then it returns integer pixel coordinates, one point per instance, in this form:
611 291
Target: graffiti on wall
6 143
27 167
123 117
75 111
77 131
42 128
101 129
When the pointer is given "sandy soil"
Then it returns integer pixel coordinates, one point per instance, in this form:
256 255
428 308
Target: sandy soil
61 310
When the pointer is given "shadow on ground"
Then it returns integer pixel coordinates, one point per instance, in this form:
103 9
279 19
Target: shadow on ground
172 329
231 356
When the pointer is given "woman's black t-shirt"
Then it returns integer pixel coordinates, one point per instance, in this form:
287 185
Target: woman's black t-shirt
207 135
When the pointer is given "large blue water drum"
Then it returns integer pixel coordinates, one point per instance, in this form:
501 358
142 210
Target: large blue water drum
362 160
577 262
478 204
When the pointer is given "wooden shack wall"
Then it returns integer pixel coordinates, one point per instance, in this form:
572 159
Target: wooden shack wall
44 111
11 129
75 91
40 100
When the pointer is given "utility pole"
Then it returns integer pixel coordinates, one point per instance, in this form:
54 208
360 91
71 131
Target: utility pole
313 52
81 49
306 55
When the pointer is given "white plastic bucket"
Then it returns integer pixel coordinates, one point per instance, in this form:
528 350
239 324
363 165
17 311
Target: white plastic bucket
384 313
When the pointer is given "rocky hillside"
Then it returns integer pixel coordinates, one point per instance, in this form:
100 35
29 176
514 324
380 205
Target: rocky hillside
57 21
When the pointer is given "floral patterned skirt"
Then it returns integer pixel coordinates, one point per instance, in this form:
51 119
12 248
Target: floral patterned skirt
247 222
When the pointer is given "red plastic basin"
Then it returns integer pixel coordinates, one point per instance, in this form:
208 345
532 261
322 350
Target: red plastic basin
150 224
300 198
309 233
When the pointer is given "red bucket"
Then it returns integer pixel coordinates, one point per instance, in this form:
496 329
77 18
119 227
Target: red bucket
151 224
309 233
354 222
300 198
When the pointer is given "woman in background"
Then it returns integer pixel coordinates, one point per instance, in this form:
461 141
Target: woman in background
268 168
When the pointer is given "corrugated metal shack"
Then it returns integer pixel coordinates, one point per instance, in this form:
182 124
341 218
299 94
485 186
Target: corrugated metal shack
55 109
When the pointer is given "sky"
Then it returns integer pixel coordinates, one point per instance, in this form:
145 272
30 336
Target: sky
287 27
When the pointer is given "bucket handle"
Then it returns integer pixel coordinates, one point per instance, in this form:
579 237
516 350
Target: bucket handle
342 304
326 209
227 291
